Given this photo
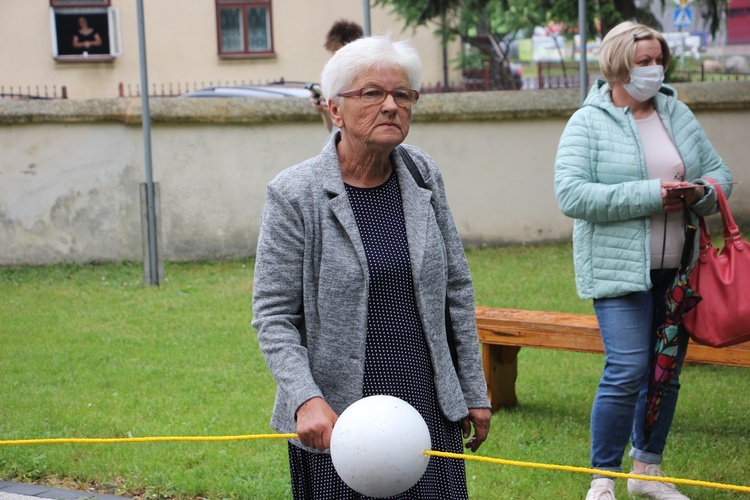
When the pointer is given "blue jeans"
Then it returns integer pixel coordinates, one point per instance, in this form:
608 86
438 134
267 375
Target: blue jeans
628 326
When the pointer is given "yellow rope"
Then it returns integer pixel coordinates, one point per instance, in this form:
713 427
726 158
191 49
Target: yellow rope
146 439
585 470
443 454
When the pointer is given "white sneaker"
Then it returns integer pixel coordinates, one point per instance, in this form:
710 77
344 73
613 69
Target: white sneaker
654 489
601 489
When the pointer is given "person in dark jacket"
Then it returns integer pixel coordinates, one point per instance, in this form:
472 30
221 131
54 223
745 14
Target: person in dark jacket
619 162
341 33
354 265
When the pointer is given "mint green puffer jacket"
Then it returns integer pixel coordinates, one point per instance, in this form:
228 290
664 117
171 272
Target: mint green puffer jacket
601 181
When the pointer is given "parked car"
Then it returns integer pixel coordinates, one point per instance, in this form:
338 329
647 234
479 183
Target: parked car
276 90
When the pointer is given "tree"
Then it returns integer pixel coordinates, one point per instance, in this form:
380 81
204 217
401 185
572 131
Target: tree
607 12
486 25
490 25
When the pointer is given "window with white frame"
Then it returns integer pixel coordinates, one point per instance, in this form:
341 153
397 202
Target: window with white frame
244 28
85 30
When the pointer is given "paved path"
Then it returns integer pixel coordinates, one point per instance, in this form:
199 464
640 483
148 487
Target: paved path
23 491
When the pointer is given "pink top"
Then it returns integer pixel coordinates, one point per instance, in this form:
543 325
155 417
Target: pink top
663 162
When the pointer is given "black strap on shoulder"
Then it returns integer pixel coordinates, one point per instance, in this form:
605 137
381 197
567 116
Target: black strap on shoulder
412 167
448 322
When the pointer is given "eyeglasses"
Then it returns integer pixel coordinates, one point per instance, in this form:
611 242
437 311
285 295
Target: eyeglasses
376 95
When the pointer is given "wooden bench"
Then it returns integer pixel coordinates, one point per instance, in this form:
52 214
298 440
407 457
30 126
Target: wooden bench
503 332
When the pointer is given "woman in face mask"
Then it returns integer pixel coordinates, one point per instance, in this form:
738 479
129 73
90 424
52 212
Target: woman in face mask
618 163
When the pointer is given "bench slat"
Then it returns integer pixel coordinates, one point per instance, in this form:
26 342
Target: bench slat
503 332
577 332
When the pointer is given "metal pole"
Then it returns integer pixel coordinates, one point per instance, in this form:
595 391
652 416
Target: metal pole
146 121
583 39
444 43
366 27
682 48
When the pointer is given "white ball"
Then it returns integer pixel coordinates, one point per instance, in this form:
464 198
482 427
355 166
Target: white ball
378 445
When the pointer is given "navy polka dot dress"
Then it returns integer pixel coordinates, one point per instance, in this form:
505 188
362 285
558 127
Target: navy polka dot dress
397 359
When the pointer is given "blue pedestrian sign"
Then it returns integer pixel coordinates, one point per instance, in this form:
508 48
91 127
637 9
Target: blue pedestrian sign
683 17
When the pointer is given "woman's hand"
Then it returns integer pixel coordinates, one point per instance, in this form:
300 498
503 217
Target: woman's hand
480 417
320 105
678 195
315 421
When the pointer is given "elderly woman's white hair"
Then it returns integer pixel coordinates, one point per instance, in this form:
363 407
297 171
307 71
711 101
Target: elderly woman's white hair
364 54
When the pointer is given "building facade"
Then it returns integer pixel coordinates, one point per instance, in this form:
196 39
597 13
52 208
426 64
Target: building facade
91 47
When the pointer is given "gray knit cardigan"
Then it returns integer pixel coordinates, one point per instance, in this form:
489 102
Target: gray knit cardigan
311 283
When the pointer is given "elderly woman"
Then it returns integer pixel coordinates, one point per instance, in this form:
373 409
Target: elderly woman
630 162
354 266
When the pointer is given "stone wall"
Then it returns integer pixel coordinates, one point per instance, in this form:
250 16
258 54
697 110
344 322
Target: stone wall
71 170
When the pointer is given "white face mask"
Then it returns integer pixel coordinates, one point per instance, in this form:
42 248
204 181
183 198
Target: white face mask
645 82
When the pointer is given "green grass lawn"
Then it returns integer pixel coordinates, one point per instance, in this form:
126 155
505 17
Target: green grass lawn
88 351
